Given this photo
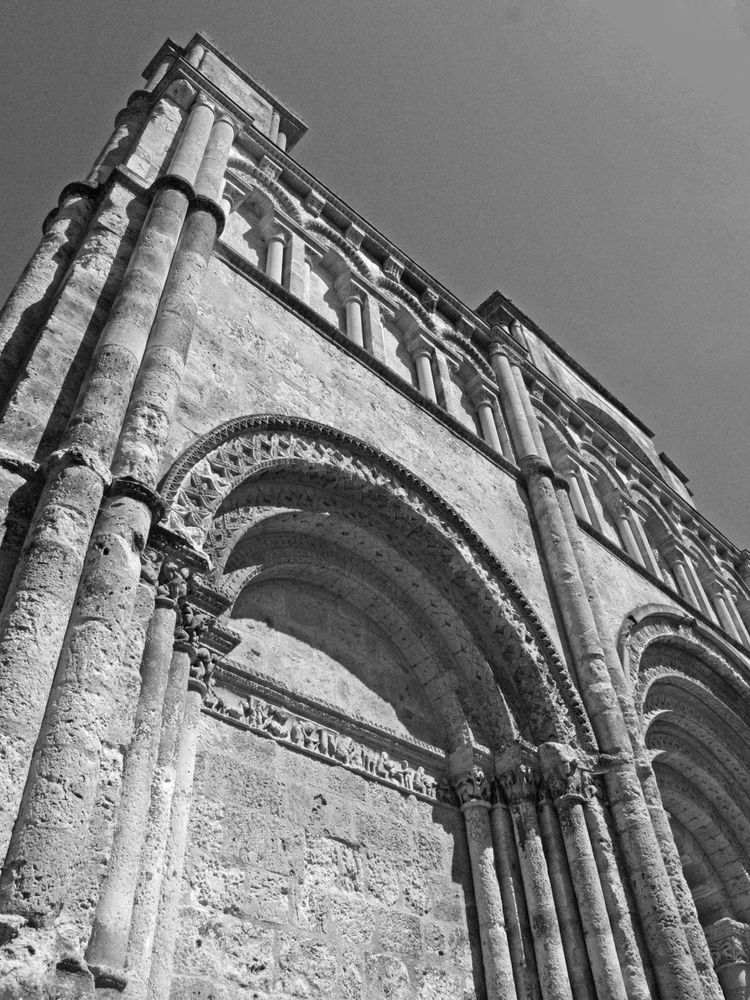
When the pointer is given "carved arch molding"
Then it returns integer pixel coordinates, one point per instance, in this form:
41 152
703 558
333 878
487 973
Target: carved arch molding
206 495
693 700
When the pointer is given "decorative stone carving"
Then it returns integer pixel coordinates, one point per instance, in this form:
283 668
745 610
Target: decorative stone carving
151 561
518 782
473 786
314 203
562 774
172 583
192 626
429 300
728 942
354 235
393 268
209 470
319 740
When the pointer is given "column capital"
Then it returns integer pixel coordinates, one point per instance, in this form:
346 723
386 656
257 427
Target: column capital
171 586
673 551
202 670
516 776
129 486
473 787
416 343
533 466
728 942
191 627
346 289
562 773
479 391
617 502
272 230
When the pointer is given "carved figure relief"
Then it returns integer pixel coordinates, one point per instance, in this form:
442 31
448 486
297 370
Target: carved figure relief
321 741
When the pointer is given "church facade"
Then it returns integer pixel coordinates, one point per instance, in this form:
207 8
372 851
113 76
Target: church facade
355 644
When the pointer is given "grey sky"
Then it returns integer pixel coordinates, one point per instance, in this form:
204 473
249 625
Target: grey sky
590 159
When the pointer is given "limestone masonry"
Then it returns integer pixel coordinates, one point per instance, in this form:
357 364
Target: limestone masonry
355 644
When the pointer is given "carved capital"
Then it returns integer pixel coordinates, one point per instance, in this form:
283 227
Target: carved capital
617 503
202 669
472 787
499 337
192 626
532 467
728 942
129 486
172 584
416 344
480 393
151 563
562 773
518 783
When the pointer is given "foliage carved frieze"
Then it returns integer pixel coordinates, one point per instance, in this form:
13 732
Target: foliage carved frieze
200 483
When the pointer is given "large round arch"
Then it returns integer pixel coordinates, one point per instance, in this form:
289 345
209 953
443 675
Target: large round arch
277 474
692 695
383 651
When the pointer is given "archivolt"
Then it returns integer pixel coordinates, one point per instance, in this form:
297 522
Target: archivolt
693 699
201 482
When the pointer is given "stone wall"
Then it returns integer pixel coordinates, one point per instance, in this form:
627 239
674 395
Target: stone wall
303 879
251 355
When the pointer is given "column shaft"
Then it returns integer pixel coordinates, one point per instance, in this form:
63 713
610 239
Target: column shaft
681 890
576 497
600 944
31 299
149 415
107 949
128 124
673 963
487 423
162 959
563 893
498 969
515 415
70 754
548 947
628 538
644 545
353 308
719 599
621 919
60 794
520 939
151 868
424 375
275 257
528 408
